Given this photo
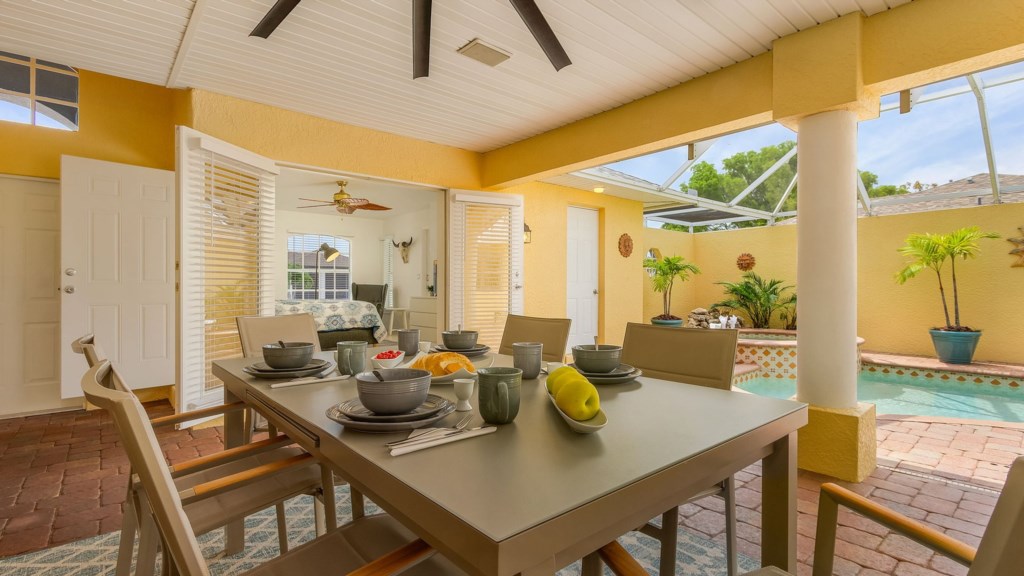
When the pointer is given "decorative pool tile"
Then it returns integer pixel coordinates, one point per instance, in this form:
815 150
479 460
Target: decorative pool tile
946 376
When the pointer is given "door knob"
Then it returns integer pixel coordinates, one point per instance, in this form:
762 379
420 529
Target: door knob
70 271
69 289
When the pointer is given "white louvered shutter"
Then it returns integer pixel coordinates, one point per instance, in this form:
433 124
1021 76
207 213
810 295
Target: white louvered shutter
226 197
387 250
486 262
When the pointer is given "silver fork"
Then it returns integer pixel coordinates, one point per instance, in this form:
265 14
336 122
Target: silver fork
459 426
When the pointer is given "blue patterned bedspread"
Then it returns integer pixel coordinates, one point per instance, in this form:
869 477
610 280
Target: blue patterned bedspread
336 314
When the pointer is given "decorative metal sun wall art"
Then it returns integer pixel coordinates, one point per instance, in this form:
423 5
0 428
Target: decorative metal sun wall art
746 261
1018 249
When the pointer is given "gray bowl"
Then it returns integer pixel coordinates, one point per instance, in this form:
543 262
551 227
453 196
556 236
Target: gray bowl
463 340
402 390
293 355
600 358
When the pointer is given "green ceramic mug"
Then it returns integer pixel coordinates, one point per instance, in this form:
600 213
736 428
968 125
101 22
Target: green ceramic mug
499 394
351 357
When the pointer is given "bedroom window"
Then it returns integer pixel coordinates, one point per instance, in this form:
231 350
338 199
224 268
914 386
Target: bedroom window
335 279
38 92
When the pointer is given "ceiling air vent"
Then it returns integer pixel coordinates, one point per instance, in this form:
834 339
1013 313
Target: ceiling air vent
477 50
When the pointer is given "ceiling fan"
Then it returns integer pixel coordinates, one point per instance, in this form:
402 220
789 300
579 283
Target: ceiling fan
344 202
527 9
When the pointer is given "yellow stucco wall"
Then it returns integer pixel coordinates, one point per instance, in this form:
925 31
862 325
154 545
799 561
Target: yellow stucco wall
288 136
620 281
893 318
670 243
121 121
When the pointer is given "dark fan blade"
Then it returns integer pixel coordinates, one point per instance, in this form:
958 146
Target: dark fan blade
328 205
277 13
421 38
328 202
370 206
542 32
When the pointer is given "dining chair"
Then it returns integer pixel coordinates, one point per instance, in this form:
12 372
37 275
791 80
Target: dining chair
350 549
255 331
552 332
218 511
999 553
373 293
690 356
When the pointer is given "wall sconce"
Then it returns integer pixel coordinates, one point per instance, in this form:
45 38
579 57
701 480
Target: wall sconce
527 233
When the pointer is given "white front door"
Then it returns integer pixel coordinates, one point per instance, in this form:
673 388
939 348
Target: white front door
29 298
117 269
581 275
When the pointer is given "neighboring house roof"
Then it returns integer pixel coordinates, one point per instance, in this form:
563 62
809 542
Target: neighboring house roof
971 191
964 193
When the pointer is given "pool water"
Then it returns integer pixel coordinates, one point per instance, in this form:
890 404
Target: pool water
918 397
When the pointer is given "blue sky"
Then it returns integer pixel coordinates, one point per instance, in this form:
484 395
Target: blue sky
936 142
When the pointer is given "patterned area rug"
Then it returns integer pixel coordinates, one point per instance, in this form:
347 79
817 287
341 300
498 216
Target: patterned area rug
97 556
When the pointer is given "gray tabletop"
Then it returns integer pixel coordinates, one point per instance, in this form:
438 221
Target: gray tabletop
536 468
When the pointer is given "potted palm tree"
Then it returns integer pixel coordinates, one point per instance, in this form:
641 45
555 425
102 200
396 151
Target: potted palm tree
954 343
760 299
664 272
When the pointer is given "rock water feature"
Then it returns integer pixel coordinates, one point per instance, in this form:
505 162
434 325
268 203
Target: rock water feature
702 318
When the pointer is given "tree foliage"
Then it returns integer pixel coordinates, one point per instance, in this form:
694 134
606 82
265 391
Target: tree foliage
760 299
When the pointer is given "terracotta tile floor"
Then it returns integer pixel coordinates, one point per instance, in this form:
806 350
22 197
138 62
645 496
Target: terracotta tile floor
63 477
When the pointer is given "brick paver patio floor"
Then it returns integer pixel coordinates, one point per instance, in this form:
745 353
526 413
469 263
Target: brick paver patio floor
63 477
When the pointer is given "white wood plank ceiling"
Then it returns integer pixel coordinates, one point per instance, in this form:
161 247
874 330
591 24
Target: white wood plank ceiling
351 61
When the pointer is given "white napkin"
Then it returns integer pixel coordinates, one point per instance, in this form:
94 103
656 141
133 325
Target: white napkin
308 380
399 450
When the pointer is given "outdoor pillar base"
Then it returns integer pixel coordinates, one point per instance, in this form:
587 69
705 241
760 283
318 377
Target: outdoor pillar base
839 442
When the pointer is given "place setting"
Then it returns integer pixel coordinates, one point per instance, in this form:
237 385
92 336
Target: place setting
293 362
462 342
602 364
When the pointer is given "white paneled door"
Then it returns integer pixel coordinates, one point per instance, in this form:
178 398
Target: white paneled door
117 269
29 300
581 271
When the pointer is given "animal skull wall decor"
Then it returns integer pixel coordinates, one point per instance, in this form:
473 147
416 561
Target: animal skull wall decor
403 249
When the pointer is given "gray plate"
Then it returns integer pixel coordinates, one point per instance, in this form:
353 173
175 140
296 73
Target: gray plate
468 353
622 370
315 366
354 410
334 413
598 380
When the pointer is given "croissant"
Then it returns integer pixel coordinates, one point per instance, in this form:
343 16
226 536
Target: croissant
443 363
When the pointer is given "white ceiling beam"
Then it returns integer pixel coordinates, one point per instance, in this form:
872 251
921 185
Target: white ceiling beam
865 200
186 43
767 173
694 152
978 87
785 195
956 91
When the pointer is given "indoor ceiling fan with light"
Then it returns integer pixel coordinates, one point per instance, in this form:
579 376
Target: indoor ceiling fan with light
344 202
421 9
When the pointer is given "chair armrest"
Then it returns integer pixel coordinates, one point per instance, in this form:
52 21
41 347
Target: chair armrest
396 560
229 455
196 414
239 479
833 495
619 560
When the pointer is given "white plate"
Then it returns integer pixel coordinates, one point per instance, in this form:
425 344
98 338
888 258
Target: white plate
585 427
463 373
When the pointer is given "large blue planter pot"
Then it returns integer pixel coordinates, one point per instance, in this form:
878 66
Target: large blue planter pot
660 322
955 347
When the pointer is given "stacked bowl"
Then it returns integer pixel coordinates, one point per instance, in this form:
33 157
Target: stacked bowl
403 390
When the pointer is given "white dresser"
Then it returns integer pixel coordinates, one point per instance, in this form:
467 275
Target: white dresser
423 315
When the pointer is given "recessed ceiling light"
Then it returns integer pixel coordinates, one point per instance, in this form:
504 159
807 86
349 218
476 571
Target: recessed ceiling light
599 190
485 53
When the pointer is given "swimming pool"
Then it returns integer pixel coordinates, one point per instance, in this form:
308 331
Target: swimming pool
907 395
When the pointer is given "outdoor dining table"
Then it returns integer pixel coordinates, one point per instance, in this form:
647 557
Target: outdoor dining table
535 496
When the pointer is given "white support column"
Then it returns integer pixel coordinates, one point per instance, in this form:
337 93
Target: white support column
827 260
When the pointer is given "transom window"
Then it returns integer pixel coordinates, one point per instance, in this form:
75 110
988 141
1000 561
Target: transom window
38 92
335 278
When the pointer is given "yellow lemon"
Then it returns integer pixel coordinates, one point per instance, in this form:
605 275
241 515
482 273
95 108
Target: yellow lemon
578 399
559 377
